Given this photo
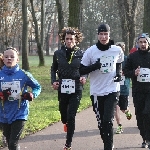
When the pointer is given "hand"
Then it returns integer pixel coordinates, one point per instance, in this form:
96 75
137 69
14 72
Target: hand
28 96
97 64
55 85
82 80
5 94
117 78
137 71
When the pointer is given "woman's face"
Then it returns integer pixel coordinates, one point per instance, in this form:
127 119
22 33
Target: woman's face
70 40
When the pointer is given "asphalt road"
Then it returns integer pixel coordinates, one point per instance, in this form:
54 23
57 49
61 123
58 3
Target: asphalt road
86 135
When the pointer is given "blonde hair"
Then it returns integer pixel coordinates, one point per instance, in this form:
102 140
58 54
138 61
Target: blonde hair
12 48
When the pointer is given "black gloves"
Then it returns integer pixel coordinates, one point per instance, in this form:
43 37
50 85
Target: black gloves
117 78
28 96
97 65
5 94
87 69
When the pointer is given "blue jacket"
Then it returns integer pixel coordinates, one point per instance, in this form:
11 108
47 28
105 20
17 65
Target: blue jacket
17 80
124 89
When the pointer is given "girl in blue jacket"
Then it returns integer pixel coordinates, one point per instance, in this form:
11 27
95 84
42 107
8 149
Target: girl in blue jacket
14 107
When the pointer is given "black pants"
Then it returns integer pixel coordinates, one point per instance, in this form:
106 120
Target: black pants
12 133
142 111
104 108
68 106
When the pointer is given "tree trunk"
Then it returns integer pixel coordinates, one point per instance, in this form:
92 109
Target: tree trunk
60 15
60 18
74 11
39 48
42 22
80 14
25 63
146 20
127 11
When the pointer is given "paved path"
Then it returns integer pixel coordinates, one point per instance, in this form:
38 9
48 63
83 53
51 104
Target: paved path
86 135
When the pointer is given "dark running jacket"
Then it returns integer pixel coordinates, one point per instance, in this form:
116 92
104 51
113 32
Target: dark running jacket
67 68
142 59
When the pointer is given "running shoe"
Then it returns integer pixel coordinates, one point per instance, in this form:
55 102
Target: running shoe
128 115
144 145
119 130
67 148
4 142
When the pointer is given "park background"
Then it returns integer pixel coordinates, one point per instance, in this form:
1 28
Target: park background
32 26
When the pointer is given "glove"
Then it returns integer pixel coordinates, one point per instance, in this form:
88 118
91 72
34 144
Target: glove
97 64
117 78
28 96
5 94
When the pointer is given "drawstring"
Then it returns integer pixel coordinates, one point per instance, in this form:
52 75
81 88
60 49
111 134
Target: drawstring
21 96
71 57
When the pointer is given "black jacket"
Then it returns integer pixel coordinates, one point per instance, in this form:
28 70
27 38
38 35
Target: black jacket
66 66
142 59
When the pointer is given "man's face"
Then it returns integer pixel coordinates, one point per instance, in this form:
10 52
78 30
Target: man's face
10 58
70 40
103 37
143 44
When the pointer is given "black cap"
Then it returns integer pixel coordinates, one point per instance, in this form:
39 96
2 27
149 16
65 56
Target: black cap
103 28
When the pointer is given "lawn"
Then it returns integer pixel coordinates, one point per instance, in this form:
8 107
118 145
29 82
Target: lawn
44 109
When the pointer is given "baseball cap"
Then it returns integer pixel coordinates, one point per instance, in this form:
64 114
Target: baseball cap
144 35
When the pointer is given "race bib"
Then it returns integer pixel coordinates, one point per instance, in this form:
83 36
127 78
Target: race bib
122 80
68 86
144 75
107 64
15 89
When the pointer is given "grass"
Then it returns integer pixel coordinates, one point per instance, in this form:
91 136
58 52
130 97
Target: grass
44 109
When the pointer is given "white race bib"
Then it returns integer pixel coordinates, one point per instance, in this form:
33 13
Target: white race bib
144 75
68 86
15 89
122 80
107 64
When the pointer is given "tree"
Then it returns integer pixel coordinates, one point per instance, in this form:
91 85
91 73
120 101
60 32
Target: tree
10 23
146 20
60 15
128 11
74 11
38 33
25 63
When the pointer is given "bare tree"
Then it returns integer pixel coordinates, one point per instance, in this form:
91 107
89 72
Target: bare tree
146 20
60 18
10 22
25 63
128 11
74 11
38 33
60 15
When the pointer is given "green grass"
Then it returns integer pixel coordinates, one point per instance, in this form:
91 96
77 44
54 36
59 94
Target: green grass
44 109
